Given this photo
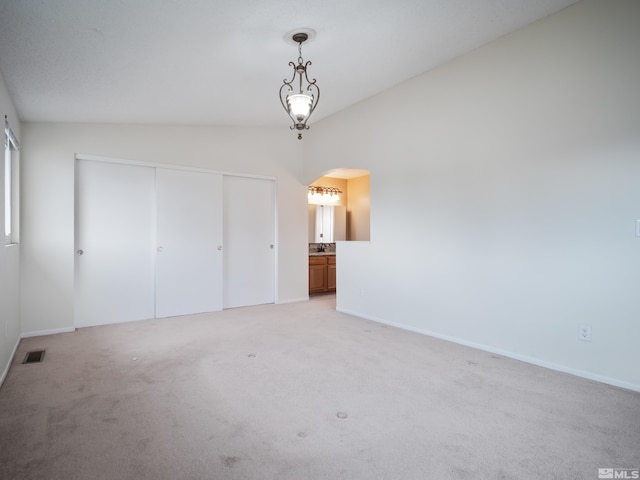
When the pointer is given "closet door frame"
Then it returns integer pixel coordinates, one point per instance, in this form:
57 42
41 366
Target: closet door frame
98 158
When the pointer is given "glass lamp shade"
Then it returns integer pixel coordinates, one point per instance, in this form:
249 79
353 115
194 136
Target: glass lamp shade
299 106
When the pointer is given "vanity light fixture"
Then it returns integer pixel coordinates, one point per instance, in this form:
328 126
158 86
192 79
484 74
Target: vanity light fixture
298 100
323 195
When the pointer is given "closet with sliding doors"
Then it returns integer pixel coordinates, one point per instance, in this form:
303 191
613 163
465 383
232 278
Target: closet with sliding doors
156 241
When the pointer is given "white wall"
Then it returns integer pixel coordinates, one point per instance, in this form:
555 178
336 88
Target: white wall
48 199
9 256
504 194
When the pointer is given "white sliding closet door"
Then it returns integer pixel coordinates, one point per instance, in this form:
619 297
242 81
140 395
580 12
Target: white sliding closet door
114 264
159 242
189 242
249 241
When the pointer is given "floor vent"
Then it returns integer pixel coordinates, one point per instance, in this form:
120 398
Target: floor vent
34 357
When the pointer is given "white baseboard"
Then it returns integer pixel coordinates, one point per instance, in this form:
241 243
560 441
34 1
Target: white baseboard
292 300
6 368
523 358
40 333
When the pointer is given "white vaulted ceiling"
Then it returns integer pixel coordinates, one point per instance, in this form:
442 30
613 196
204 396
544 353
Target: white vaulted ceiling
221 62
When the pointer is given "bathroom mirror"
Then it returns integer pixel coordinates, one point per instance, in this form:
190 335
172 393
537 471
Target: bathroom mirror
327 224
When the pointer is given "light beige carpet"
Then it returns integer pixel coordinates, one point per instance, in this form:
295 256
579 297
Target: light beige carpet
299 392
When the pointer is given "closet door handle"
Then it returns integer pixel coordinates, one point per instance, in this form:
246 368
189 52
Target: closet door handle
80 252
219 247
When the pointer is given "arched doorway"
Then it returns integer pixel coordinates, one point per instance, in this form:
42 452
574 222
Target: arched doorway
354 187
339 210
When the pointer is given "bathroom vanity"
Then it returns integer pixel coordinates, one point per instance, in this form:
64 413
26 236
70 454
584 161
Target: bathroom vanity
322 272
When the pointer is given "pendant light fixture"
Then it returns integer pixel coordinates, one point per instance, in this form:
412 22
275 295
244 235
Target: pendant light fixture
299 97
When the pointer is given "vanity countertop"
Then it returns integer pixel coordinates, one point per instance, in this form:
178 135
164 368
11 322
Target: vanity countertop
321 254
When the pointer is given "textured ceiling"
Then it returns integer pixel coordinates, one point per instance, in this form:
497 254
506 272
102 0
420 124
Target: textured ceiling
221 62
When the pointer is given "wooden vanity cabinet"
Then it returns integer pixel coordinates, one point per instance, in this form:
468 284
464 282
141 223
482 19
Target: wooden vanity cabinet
331 273
322 273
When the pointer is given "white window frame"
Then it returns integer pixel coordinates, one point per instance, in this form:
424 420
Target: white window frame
11 185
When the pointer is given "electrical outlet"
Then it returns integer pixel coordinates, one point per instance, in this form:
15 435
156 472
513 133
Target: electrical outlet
362 291
584 333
